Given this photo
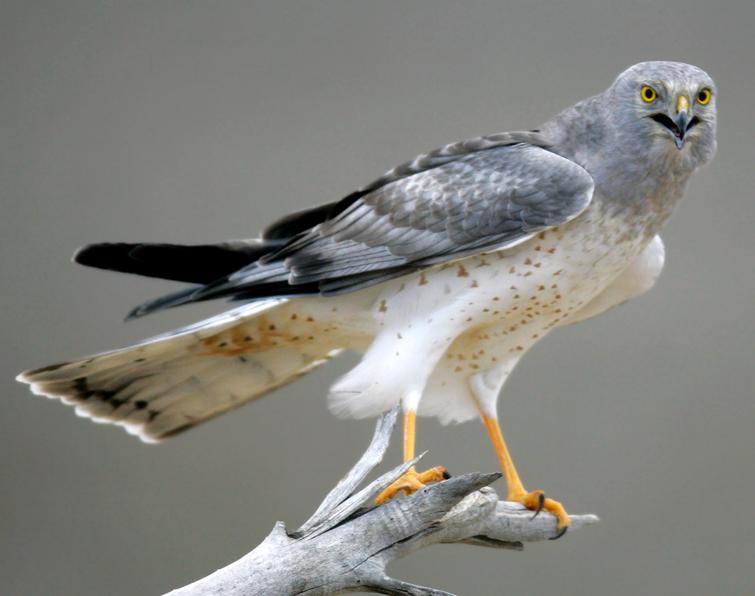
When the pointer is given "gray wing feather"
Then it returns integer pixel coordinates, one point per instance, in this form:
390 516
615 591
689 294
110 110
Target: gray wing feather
453 151
489 198
476 195
301 221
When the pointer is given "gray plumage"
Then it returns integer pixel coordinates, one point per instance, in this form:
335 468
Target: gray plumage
487 199
485 193
497 240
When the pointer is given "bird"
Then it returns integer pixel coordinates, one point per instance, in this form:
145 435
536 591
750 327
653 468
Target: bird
442 273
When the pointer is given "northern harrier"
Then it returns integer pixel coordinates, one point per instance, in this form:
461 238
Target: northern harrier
443 272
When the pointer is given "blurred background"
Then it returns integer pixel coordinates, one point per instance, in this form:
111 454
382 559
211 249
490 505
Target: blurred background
197 121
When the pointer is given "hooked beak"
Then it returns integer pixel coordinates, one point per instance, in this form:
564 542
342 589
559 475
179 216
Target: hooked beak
681 124
682 120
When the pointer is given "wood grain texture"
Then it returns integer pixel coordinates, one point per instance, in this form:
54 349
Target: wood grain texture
348 542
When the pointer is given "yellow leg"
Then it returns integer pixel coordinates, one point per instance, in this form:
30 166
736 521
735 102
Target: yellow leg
410 434
534 500
412 480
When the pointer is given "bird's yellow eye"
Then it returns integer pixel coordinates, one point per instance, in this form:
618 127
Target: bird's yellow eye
703 96
648 94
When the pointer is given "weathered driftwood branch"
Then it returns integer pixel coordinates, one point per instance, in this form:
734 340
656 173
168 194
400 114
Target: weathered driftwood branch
348 542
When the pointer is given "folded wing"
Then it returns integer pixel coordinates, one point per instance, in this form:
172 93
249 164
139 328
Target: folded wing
469 197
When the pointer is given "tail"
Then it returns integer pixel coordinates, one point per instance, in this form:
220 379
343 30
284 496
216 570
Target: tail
173 382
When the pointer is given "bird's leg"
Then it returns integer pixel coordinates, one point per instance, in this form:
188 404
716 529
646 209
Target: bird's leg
535 500
412 480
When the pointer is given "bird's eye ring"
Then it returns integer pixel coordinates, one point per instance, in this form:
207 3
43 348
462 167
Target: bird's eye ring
703 96
648 94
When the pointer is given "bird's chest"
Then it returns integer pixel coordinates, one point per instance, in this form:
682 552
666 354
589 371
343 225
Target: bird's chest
521 292
589 253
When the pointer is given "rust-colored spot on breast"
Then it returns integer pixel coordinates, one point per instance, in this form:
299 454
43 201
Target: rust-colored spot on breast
462 272
383 306
422 279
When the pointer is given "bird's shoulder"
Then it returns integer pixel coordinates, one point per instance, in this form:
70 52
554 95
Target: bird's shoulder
300 221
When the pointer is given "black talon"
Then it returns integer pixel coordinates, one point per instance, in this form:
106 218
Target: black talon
561 533
540 505
446 475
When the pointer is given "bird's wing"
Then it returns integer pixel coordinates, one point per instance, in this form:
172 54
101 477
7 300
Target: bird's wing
301 221
198 264
635 280
485 194
486 200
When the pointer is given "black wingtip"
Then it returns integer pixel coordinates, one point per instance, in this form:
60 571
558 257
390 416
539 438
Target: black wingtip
102 255
77 257
163 302
134 313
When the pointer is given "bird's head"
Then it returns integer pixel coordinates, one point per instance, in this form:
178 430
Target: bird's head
670 106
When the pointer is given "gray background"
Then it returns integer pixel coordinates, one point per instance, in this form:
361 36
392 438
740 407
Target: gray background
198 121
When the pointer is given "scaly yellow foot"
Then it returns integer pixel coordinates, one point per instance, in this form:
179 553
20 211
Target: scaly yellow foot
537 502
411 482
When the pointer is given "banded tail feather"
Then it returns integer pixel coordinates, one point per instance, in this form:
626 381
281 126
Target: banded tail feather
172 382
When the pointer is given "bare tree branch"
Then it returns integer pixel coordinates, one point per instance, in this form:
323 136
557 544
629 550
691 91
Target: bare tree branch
348 542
